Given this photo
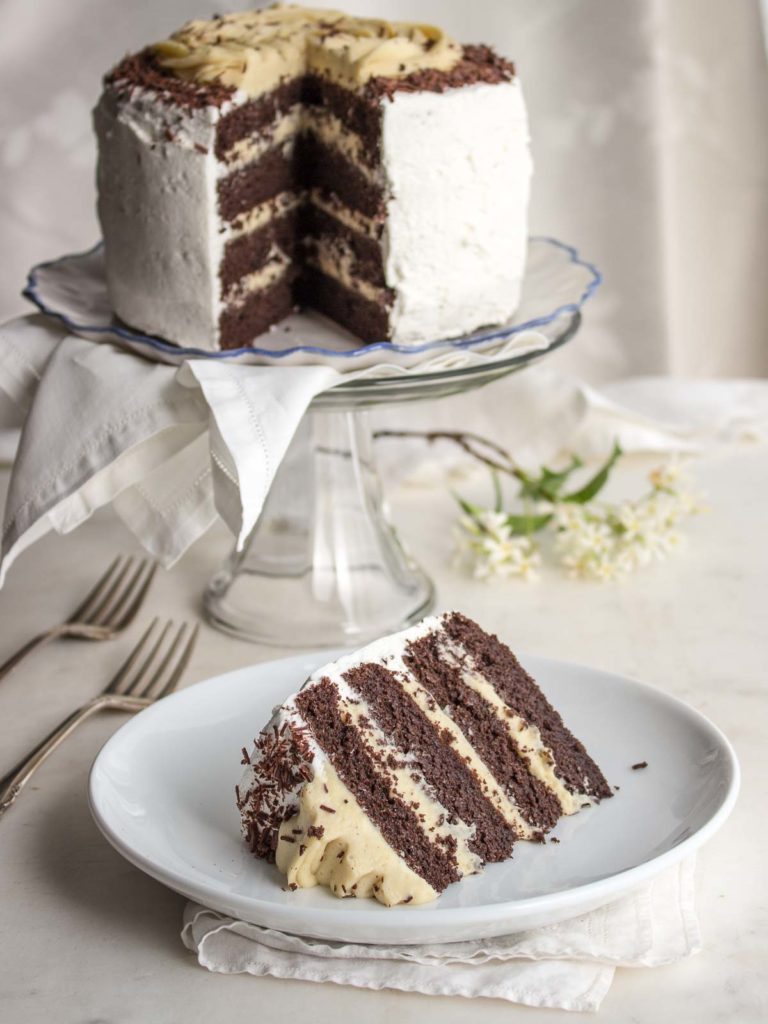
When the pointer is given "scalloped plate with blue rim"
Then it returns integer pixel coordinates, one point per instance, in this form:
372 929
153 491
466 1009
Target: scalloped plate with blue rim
557 283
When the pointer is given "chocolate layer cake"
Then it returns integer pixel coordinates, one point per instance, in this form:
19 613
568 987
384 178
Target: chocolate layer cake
401 768
376 171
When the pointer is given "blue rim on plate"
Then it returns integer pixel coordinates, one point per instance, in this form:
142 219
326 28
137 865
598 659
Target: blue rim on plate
31 292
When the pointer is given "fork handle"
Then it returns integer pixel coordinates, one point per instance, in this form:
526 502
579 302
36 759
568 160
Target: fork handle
31 645
18 777
74 629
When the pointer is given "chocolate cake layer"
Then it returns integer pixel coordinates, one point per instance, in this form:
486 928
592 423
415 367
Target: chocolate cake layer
240 324
321 166
274 172
397 822
256 115
367 251
489 736
249 252
364 318
498 664
457 788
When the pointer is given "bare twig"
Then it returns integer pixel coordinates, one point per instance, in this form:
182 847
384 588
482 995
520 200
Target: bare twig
495 456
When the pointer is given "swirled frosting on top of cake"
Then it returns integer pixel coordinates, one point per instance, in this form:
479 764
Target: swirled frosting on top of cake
402 768
253 51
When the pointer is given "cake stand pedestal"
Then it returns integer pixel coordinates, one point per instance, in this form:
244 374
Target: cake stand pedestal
324 566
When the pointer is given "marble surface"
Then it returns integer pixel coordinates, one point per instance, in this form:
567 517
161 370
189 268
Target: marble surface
88 938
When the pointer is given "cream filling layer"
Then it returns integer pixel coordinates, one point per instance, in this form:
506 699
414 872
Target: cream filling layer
351 856
410 786
259 280
353 219
338 262
259 216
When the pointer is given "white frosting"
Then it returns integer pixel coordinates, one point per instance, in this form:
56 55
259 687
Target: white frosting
459 168
157 207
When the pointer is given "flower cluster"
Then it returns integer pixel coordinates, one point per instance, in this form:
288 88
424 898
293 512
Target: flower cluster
607 541
593 540
486 540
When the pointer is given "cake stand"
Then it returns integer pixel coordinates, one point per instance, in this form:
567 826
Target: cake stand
324 565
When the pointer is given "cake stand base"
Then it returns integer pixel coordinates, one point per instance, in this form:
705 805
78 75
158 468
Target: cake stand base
324 565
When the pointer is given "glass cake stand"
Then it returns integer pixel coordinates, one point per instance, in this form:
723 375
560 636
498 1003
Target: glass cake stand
324 565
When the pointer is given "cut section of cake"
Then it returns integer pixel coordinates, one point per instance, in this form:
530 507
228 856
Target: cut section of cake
399 769
375 171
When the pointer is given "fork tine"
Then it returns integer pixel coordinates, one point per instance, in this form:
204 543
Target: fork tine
132 688
113 602
112 616
125 669
130 612
166 661
183 661
95 592
92 614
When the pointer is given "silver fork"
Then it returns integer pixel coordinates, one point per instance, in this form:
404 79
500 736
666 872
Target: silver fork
108 609
152 670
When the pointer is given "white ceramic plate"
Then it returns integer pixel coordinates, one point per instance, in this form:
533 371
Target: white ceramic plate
162 792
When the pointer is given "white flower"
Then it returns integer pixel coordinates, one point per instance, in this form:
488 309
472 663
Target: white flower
631 520
492 550
569 516
664 478
605 568
495 523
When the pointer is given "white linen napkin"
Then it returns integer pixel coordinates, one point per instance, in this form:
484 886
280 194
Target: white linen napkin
170 447
569 965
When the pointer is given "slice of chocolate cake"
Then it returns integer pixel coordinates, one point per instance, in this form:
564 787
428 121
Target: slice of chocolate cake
409 764
376 171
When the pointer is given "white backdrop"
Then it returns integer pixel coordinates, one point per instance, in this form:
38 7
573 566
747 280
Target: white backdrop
649 134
